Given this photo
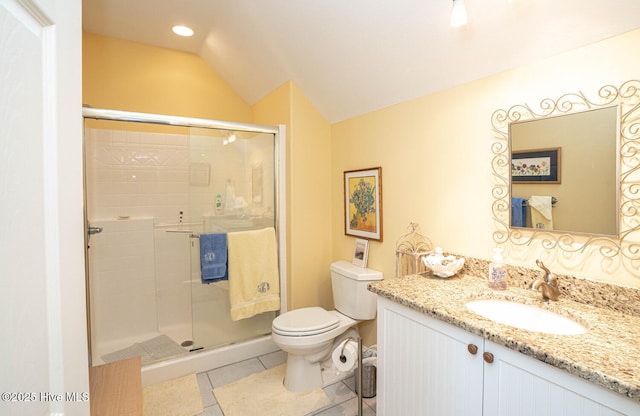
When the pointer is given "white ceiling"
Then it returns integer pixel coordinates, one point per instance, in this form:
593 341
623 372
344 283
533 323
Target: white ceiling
350 57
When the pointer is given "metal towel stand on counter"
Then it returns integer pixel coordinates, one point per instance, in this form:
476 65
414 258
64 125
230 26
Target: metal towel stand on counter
410 248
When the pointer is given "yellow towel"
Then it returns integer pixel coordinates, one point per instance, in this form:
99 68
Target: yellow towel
541 212
254 283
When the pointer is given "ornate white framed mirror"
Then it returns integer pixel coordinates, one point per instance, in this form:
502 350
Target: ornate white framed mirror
580 154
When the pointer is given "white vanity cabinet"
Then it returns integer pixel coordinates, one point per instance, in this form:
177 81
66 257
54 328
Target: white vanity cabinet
424 365
428 367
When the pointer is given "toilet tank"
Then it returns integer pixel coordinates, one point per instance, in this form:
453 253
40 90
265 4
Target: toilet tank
350 294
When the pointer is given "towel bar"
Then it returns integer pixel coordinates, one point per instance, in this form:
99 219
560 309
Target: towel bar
177 224
553 201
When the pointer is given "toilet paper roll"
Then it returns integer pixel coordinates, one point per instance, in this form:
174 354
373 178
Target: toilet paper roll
348 349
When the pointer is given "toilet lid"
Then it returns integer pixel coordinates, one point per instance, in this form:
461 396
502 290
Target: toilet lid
305 321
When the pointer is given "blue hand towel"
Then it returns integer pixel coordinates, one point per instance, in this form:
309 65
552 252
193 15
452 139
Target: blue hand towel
518 212
213 257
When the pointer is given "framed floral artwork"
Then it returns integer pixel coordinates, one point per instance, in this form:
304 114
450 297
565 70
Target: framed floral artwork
363 203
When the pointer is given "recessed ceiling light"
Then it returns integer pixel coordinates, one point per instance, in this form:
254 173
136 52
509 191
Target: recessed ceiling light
182 30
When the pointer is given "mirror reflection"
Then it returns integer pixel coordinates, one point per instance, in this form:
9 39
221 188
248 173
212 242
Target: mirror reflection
564 172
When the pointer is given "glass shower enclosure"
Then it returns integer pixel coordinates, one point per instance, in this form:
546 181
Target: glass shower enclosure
153 184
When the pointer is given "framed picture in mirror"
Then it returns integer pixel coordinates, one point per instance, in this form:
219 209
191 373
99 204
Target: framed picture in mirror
535 166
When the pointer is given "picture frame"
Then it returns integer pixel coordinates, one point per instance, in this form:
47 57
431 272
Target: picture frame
536 166
363 203
361 252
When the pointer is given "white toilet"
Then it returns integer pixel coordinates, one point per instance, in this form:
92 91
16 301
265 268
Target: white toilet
308 334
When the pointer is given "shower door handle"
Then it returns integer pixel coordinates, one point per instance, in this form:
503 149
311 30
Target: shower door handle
94 230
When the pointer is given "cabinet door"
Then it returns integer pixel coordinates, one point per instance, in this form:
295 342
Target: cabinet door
516 384
424 366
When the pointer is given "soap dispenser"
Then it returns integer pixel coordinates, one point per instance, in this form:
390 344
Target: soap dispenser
497 271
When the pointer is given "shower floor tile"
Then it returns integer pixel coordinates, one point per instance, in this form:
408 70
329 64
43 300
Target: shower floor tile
344 401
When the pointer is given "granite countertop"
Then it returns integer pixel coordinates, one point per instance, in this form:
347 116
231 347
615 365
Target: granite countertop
607 354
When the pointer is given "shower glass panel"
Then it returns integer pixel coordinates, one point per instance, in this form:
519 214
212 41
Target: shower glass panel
231 157
152 190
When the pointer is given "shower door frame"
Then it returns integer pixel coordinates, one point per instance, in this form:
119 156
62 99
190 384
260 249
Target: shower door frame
279 133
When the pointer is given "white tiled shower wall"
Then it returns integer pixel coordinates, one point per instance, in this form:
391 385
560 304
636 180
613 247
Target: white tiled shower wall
123 291
148 174
146 178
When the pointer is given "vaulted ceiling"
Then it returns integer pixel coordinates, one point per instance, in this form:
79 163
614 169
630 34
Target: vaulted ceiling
350 57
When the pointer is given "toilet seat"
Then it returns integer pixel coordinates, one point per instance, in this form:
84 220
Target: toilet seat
305 322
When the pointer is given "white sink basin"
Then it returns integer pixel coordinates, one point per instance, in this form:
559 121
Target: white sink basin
527 317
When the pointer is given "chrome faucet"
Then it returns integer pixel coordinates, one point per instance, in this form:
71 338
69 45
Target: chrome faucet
549 286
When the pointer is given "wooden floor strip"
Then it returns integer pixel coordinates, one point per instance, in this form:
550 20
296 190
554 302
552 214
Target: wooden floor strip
116 388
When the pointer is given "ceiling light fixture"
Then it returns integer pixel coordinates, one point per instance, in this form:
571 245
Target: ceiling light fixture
182 30
458 14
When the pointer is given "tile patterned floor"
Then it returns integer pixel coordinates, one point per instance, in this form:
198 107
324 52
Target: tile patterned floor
344 401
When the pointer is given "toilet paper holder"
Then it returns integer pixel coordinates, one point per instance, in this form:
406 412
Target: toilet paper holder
343 359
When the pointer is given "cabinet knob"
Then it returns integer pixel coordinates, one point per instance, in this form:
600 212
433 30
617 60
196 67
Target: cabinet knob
488 357
473 349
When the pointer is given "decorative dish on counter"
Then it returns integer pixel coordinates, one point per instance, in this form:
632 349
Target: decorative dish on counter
441 265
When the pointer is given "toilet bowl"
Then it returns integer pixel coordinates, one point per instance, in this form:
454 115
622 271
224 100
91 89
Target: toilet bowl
308 334
308 345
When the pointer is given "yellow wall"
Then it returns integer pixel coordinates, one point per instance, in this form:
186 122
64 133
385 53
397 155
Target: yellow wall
129 76
308 194
435 156
275 109
310 213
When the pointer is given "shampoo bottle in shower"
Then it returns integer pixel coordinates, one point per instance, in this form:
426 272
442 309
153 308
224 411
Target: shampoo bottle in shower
230 197
497 271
